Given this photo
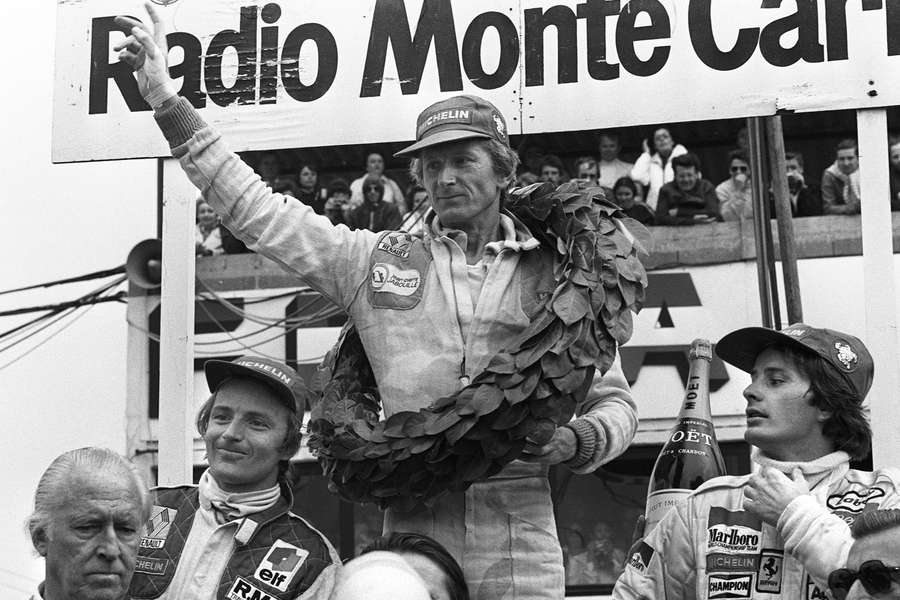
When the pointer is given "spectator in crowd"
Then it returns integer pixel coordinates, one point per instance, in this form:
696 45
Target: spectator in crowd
375 168
690 199
626 197
526 178
286 186
419 328
309 192
611 167
380 575
268 167
239 517
805 422
89 509
419 202
587 172
894 157
873 565
806 200
337 206
374 214
736 193
552 170
532 159
840 181
653 167
207 234
438 569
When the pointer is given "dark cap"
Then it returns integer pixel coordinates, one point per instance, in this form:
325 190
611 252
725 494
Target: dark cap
283 380
844 352
458 118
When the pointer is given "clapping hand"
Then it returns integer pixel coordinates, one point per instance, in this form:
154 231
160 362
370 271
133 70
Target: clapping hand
146 52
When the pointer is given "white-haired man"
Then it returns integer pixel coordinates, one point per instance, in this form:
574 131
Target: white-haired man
431 312
873 565
89 509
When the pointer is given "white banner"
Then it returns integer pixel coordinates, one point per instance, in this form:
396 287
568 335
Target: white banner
318 72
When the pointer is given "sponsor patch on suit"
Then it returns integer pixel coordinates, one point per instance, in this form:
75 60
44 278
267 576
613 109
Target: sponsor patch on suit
280 565
729 586
768 577
161 519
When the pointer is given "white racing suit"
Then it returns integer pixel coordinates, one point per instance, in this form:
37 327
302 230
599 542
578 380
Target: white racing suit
709 547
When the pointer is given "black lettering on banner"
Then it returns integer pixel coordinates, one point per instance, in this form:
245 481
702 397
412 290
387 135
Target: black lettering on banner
389 24
806 23
244 43
268 63
892 21
704 41
627 34
290 62
836 29
536 21
189 68
102 71
595 12
509 50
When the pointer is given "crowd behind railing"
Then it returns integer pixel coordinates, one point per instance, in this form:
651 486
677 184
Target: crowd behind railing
665 186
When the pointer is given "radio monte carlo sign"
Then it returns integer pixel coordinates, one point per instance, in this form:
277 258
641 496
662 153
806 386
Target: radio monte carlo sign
318 72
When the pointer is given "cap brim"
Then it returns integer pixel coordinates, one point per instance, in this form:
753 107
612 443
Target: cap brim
441 137
217 371
740 348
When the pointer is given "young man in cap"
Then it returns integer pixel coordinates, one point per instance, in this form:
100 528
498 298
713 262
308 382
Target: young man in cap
430 312
234 535
782 530
873 567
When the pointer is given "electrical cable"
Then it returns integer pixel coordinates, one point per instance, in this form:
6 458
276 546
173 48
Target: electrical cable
50 337
62 305
86 277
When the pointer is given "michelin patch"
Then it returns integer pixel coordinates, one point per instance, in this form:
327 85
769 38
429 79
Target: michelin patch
729 586
161 519
280 565
150 566
768 577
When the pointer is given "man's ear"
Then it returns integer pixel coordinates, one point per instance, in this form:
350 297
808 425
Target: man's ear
40 540
824 415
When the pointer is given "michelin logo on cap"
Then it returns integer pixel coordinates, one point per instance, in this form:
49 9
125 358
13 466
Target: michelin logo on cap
453 115
267 368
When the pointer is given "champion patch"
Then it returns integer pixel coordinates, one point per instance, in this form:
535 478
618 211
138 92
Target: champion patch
242 589
397 244
853 501
150 566
768 577
846 356
389 279
729 586
161 519
280 565
640 557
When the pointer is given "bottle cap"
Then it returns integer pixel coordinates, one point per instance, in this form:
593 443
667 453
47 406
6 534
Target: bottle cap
701 348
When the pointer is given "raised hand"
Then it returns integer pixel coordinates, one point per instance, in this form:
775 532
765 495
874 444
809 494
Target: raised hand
769 492
146 52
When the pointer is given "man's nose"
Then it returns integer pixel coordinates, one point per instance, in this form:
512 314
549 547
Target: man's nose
108 543
235 430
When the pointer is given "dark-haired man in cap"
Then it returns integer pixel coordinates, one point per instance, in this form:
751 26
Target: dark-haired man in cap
234 535
782 530
431 312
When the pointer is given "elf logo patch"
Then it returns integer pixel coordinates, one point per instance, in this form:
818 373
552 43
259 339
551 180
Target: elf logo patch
397 244
729 586
280 564
640 557
161 519
854 501
389 279
242 589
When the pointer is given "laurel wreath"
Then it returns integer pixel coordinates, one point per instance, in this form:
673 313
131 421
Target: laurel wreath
526 391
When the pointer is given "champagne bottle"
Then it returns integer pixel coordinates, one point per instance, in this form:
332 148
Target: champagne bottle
692 454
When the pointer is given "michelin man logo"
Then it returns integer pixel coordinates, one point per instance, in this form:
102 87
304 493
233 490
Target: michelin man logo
846 355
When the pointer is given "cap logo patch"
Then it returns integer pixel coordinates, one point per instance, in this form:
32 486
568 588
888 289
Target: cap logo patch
500 125
795 332
260 366
453 115
846 356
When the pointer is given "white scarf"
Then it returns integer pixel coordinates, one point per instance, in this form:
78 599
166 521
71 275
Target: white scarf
229 506
814 471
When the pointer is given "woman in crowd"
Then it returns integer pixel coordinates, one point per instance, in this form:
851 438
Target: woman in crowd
625 195
208 236
653 167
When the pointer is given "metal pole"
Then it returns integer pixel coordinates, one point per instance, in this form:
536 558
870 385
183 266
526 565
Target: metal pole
761 222
879 286
784 219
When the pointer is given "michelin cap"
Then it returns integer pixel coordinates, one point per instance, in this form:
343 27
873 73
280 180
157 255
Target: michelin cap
844 352
458 118
281 378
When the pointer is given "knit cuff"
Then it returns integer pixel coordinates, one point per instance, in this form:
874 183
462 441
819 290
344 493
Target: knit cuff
586 439
178 122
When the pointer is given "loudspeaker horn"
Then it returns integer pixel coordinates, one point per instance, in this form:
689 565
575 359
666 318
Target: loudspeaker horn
144 264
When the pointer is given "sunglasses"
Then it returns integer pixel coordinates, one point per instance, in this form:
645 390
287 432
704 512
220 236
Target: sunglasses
874 575
735 169
371 188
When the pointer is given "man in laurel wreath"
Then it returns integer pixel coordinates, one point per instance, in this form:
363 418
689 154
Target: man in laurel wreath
431 312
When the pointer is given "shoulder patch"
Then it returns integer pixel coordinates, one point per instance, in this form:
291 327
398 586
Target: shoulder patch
280 565
397 243
853 501
640 557
158 525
